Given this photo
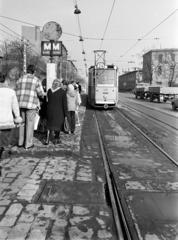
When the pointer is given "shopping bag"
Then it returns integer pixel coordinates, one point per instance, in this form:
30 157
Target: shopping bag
36 121
66 125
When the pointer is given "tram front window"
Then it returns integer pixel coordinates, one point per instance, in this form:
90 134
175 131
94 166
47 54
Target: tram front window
105 76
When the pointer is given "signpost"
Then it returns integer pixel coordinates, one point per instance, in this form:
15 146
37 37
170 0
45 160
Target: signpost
52 31
51 48
51 74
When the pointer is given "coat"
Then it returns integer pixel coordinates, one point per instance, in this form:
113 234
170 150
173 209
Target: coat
9 108
56 109
73 100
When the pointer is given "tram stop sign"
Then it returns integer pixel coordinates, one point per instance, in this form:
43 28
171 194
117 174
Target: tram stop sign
52 31
51 47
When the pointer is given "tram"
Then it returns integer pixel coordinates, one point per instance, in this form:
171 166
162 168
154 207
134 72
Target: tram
103 86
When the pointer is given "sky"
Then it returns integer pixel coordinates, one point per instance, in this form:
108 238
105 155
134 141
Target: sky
121 23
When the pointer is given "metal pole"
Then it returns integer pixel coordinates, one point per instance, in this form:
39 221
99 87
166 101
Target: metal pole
24 57
66 69
51 51
61 68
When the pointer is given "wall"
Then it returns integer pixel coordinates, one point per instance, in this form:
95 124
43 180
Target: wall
160 67
128 81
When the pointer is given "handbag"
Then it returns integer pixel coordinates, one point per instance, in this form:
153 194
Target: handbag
66 125
36 121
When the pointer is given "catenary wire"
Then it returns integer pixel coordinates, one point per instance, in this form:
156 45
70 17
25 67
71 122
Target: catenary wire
107 24
75 35
150 31
27 41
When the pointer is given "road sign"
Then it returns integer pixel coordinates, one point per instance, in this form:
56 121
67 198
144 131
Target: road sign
51 48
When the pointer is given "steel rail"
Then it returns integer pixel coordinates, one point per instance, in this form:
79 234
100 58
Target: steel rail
150 117
149 139
115 202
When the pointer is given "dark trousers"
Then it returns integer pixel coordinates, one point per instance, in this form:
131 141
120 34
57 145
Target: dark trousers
71 120
9 137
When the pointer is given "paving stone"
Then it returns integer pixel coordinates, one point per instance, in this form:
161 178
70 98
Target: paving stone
57 234
78 219
8 180
4 232
8 221
32 208
26 218
4 202
33 221
37 234
60 224
30 186
19 232
11 175
104 234
75 233
27 192
80 210
2 209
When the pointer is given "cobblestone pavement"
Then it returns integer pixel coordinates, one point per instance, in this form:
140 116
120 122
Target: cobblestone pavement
50 193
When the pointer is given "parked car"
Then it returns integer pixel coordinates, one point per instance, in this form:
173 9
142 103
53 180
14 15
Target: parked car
174 103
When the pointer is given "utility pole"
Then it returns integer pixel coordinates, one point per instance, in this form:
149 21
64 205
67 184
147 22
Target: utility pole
24 56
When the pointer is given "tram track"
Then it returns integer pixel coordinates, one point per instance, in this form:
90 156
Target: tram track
148 138
140 174
150 117
118 213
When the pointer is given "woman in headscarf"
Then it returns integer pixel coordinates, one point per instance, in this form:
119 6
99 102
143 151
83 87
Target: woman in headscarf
56 110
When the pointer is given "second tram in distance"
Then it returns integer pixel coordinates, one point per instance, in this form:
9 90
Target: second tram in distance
103 87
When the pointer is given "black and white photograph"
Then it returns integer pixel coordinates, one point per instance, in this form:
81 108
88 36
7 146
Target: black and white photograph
89 120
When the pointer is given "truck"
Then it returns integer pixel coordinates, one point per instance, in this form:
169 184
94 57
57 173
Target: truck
140 90
160 72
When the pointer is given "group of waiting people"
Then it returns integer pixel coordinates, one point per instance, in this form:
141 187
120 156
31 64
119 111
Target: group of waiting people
63 100
19 105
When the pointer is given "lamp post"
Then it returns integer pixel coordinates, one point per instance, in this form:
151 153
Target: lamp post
77 10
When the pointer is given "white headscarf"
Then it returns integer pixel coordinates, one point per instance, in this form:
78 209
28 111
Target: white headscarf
55 85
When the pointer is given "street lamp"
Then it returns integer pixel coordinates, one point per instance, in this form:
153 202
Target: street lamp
80 39
77 10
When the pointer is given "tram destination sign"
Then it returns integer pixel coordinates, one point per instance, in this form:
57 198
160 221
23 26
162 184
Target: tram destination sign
51 48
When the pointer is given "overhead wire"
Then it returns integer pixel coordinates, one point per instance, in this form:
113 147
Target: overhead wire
10 30
32 24
19 36
17 20
92 38
25 41
7 33
150 31
107 24
72 34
